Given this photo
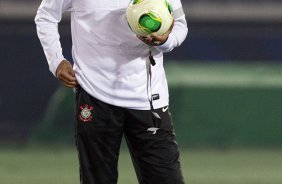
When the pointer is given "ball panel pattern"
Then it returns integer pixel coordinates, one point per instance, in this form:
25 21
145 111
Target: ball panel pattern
150 22
149 16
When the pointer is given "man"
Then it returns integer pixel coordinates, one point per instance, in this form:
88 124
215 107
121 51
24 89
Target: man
121 88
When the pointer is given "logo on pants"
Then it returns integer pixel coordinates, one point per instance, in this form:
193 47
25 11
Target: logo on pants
85 113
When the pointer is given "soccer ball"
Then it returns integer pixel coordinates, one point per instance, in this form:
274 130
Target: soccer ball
149 16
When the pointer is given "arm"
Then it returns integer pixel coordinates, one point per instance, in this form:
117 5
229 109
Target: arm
48 16
175 36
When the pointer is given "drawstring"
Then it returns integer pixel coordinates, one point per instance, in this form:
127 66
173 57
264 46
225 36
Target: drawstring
151 58
151 61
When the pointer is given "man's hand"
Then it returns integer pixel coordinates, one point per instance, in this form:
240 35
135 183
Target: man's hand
66 74
154 39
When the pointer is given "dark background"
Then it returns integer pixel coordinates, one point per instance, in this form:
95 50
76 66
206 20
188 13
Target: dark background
26 85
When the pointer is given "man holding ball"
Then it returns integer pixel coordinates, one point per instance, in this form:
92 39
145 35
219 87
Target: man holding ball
120 88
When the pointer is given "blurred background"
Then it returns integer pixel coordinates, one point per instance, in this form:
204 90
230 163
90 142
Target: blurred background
225 96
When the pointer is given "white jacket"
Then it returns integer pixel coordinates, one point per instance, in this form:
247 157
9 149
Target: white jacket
109 60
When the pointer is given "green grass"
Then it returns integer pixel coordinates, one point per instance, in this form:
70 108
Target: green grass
43 166
224 75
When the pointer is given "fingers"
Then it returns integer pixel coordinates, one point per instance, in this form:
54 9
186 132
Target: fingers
154 39
66 74
67 78
150 40
158 40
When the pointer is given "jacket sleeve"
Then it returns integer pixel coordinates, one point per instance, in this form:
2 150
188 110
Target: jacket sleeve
48 16
179 30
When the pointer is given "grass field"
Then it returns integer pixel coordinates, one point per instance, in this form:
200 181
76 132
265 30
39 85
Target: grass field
240 75
59 166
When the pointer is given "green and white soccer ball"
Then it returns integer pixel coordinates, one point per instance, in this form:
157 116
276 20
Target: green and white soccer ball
149 16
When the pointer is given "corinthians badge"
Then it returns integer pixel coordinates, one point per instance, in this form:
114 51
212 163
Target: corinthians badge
85 113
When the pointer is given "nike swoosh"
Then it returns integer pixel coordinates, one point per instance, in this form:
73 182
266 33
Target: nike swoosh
165 108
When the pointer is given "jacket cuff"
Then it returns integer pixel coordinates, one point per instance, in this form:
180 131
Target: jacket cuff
56 60
168 45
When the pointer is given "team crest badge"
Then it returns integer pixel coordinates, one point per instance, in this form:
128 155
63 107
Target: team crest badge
85 113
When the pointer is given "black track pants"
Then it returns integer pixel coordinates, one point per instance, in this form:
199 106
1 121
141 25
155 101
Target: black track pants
99 131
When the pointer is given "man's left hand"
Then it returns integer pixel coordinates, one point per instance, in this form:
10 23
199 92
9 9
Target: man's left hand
154 39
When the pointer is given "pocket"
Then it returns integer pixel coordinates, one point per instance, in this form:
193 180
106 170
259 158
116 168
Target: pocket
76 90
166 119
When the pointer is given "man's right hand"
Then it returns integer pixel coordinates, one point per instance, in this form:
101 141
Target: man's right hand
66 74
